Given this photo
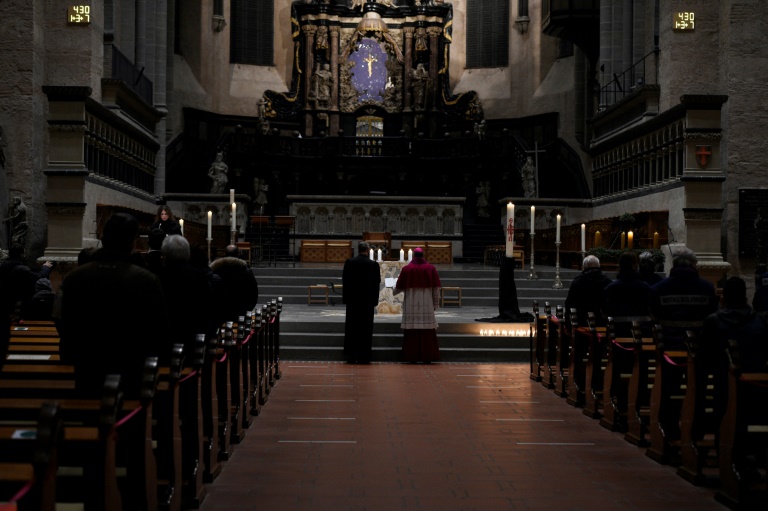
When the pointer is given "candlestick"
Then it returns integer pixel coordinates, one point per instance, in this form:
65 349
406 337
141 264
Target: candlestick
510 229
655 240
583 237
370 254
623 239
532 275
231 195
533 218
181 225
234 216
557 231
210 216
402 255
558 283
598 239
630 239
379 255
410 255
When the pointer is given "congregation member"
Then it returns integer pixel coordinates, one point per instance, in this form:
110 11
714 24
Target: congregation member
682 300
628 297
40 306
360 280
648 269
234 286
420 283
166 221
188 294
587 291
111 313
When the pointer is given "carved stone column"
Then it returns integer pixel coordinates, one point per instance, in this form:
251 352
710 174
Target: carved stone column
434 33
309 69
408 32
334 127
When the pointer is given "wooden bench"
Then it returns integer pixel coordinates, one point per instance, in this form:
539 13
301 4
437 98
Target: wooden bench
317 289
743 438
455 299
540 341
548 378
325 251
594 376
639 391
563 354
577 361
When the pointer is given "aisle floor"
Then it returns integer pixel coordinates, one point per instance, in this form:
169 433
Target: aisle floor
438 437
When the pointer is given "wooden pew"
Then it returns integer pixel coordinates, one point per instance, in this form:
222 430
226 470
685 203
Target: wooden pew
619 354
191 418
743 438
537 367
577 362
550 347
639 391
594 372
563 354
210 404
666 400
224 392
29 462
244 336
260 356
236 384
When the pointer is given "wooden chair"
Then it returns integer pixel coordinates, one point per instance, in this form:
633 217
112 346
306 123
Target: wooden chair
379 240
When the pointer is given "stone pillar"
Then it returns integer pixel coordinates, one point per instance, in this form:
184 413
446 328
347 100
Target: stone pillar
334 127
66 171
408 66
309 69
703 179
434 48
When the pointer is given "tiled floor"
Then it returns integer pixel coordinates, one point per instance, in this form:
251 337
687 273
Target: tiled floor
439 437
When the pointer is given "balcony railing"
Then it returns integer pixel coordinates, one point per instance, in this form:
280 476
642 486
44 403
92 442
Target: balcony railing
642 72
124 69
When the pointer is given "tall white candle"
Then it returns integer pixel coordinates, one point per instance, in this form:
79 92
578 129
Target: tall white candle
402 255
583 238
533 218
370 254
410 255
181 225
210 216
557 231
510 229
231 195
234 216
378 255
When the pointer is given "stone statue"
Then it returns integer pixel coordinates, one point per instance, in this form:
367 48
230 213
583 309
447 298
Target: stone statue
17 221
528 173
321 86
218 174
480 130
260 188
420 80
483 192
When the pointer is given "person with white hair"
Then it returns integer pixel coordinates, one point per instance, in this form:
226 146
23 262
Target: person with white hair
587 292
683 300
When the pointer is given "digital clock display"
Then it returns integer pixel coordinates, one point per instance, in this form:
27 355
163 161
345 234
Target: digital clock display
683 21
79 15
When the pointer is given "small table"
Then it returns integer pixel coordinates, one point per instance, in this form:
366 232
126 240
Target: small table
320 289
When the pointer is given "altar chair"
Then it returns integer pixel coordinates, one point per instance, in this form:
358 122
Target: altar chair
379 240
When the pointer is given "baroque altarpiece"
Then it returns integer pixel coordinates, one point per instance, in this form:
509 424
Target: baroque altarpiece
371 68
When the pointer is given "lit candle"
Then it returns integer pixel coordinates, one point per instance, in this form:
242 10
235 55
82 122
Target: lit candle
370 254
655 240
557 230
630 239
231 195
181 225
402 255
378 258
510 229
410 255
533 217
583 238
623 239
210 216
598 239
234 216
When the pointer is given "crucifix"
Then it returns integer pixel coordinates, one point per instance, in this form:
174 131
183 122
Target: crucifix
536 152
370 59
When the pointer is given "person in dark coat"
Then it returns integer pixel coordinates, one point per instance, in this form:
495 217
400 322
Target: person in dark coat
587 292
111 314
166 221
628 297
40 306
235 288
154 256
648 269
188 294
360 279
681 301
